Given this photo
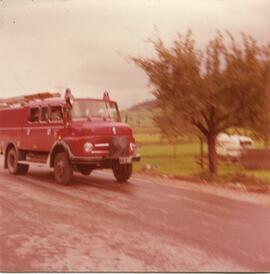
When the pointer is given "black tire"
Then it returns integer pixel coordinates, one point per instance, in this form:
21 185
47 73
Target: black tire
63 171
12 163
84 169
122 172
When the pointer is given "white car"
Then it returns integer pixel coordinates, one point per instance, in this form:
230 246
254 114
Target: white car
232 146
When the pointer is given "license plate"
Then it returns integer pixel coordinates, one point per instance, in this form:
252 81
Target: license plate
124 160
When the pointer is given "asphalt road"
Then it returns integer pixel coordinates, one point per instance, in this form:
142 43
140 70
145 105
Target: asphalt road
148 224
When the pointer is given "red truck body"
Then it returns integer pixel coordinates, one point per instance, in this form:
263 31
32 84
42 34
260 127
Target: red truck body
88 133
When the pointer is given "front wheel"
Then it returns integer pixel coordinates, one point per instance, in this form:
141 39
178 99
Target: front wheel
63 171
122 172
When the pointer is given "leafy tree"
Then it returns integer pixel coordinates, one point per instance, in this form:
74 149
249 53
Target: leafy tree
213 89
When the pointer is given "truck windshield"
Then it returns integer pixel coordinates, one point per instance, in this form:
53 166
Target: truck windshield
95 109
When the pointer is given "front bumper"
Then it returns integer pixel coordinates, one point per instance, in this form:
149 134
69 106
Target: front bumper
100 160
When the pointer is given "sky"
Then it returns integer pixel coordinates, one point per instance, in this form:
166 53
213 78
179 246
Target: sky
48 45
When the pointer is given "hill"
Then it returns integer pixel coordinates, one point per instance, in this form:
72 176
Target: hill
140 115
146 105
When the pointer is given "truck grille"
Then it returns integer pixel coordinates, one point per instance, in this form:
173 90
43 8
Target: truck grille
119 147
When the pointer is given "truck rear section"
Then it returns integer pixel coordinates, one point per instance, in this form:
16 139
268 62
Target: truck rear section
11 133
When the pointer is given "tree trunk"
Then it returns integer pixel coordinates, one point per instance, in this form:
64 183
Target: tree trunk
201 152
212 156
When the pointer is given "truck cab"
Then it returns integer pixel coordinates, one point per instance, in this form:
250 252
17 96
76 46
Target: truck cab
68 134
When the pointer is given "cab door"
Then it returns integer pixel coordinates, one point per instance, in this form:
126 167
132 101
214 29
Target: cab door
56 124
43 143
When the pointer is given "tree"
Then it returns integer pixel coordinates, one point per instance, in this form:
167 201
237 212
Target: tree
213 89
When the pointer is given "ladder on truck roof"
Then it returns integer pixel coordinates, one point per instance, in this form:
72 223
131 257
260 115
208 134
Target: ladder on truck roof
20 100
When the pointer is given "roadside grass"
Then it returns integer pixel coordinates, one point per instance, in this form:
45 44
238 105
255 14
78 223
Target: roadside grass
229 170
160 158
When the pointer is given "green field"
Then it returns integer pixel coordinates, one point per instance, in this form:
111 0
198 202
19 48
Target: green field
160 157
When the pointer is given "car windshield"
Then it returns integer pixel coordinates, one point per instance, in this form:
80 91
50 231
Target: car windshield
95 109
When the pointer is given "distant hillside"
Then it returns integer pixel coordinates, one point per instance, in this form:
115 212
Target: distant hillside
142 106
140 115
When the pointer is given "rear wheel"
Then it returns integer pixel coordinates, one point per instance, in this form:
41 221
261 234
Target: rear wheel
84 169
122 172
63 171
12 164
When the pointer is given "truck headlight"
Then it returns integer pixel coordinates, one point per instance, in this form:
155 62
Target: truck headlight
88 147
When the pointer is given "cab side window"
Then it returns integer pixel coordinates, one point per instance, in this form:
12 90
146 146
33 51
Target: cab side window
33 115
56 113
44 114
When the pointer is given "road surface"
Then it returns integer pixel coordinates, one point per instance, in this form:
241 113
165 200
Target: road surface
149 224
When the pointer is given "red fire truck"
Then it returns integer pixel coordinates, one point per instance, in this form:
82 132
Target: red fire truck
67 134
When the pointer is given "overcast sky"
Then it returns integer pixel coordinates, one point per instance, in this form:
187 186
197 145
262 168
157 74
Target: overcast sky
49 45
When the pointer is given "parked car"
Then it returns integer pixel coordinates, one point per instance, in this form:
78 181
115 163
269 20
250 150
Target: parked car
232 145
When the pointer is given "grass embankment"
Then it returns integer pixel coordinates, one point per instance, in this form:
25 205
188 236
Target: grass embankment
160 157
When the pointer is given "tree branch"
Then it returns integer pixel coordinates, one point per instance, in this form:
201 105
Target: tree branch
200 126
